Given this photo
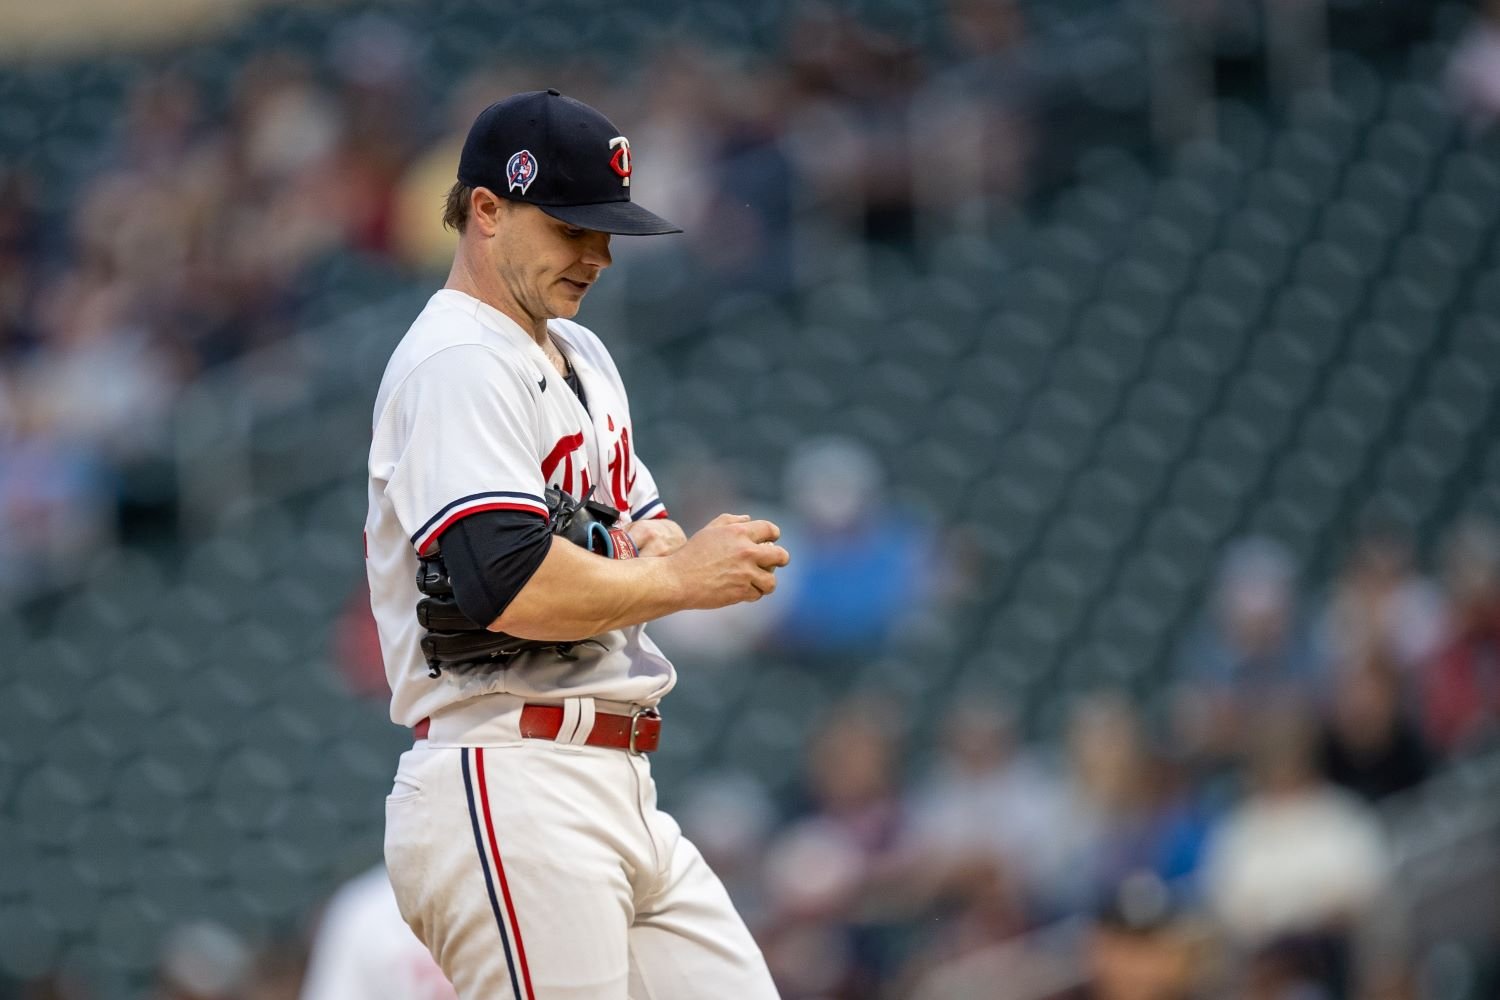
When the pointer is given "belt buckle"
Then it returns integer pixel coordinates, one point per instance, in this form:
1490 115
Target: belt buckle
635 716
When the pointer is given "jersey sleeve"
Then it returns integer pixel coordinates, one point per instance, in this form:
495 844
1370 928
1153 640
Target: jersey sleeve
645 498
462 435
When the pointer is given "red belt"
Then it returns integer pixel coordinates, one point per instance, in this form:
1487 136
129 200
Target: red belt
638 733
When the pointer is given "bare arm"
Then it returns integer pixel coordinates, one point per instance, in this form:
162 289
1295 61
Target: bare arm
575 594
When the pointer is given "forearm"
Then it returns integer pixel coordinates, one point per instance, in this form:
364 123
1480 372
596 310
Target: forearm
575 594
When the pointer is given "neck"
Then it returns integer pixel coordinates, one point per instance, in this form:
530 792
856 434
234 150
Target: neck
463 277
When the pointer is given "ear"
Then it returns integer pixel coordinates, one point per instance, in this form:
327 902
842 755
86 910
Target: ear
485 209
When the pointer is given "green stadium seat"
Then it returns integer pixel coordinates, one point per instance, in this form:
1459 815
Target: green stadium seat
1212 491
1402 147
1407 306
1439 430
1255 234
1461 222
1237 281
1192 209
1242 130
1359 230
1312 158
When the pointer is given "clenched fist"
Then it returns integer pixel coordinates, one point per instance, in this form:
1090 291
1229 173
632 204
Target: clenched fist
731 560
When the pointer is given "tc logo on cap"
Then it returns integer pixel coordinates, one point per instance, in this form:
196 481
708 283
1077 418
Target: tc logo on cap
521 170
620 162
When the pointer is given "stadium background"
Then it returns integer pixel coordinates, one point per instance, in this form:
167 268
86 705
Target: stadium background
1124 373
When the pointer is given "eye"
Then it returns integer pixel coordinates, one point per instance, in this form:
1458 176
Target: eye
573 232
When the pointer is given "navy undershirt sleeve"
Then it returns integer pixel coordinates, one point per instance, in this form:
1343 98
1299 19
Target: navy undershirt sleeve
490 556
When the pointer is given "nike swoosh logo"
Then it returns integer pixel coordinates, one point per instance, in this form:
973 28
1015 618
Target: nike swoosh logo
542 385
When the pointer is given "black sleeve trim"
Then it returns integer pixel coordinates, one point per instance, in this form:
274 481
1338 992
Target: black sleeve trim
490 556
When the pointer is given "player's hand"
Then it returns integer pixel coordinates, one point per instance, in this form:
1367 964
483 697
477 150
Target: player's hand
657 537
731 560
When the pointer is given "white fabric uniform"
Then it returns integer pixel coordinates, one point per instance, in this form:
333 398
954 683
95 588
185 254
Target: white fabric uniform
471 416
363 950
529 868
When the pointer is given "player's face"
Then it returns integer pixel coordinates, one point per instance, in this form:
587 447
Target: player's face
546 265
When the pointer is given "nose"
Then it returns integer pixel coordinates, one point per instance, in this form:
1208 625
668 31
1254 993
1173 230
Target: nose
596 251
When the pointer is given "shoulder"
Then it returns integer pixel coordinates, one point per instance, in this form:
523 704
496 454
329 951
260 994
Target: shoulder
452 321
447 346
442 377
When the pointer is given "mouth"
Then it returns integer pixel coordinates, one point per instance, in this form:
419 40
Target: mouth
578 286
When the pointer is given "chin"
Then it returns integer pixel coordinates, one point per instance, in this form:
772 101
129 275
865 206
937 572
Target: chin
566 308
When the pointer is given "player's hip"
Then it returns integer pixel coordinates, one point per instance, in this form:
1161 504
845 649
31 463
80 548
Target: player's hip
572 811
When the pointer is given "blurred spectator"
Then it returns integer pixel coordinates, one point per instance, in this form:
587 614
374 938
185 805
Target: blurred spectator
1462 681
977 948
730 817
162 122
984 829
974 119
1474 69
1254 644
20 253
202 960
1129 812
989 803
101 379
1298 856
1142 945
825 873
363 950
1381 606
745 238
862 568
1251 647
277 971
851 85
1315 966
1369 745
381 103
54 497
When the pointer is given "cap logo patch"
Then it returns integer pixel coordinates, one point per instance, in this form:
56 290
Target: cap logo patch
520 171
620 162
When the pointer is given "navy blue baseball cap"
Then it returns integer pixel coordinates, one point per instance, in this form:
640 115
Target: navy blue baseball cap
560 155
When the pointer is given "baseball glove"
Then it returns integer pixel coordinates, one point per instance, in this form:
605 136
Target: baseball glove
455 643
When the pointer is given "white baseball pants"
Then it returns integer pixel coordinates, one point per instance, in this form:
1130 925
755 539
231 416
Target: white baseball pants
542 870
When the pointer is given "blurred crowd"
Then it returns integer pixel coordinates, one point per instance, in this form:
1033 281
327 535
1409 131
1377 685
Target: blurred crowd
1237 835
206 225
210 220
1228 837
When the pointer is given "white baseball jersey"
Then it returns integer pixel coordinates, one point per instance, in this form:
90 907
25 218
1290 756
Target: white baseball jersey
471 416
363 950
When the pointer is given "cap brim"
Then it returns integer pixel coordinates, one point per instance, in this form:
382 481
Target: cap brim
624 218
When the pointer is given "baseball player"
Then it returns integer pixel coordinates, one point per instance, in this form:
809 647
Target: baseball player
516 546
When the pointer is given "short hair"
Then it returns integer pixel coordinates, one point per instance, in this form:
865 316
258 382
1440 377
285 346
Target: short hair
456 208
